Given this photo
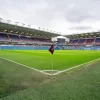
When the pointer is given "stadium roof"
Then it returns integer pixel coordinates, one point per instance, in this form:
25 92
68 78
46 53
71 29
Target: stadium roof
84 35
21 30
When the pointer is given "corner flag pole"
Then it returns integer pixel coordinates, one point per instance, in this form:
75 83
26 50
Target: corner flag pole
51 49
52 63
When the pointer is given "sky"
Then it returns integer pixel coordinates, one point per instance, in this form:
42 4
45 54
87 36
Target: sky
65 16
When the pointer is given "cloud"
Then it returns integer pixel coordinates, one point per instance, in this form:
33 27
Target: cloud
66 16
80 28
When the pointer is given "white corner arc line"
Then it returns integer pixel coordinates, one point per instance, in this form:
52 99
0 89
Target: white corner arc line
25 66
75 67
50 70
59 72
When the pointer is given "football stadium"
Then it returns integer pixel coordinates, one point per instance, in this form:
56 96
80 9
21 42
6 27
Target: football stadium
41 65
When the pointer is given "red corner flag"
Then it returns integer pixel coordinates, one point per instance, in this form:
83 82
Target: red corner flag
75 46
51 49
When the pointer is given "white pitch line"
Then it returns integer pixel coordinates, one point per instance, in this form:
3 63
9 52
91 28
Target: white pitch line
75 67
49 70
59 72
25 66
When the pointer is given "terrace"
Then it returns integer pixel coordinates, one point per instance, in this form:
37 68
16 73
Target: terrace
97 41
23 39
73 42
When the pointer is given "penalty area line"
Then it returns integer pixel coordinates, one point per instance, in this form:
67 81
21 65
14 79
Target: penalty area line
75 66
25 66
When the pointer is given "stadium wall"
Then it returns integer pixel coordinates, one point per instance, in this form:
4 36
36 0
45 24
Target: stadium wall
15 47
81 47
18 47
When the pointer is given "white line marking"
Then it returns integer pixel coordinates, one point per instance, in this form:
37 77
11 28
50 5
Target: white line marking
50 70
25 66
59 72
75 67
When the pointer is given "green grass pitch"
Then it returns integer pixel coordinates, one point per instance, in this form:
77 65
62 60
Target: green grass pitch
43 59
21 83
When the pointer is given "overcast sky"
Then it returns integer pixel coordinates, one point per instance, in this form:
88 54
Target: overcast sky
66 16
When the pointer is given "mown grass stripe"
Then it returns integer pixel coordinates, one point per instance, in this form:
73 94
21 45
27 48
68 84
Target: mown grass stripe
44 71
25 66
75 67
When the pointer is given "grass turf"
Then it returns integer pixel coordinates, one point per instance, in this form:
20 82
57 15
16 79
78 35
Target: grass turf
82 83
14 77
43 59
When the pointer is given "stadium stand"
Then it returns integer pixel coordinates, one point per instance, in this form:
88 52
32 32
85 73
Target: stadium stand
14 38
73 42
3 37
81 41
97 41
90 41
18 37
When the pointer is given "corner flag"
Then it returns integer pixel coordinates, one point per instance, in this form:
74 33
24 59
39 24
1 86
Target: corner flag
75 46
51 49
